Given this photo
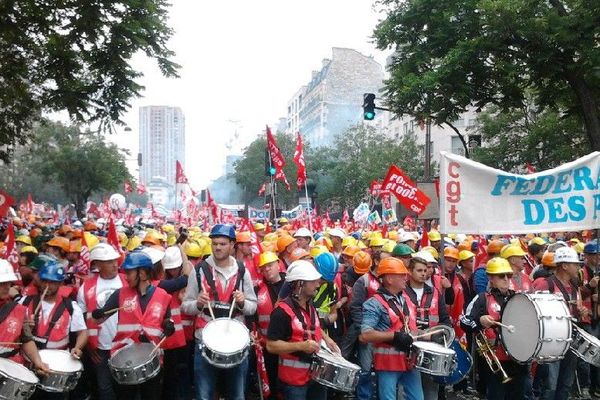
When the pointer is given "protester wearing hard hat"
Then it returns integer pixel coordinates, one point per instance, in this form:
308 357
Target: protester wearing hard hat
221 280
337 236
408 239
385 322
493 249
331 296
435 240
466 259
561 374
243 254
483 315
15 334
285 246
22 241
514 254
455 308
92 295
589 277
295 334
304 237
545 269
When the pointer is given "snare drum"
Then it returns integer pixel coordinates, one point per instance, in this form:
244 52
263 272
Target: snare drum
64 371
334 371
224 342
432 358
586 346
135 364
464 363
542 327
16 381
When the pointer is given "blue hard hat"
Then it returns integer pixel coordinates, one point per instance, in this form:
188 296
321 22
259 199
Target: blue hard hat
225 230
356 235
591 247
52 271
327 266
137 259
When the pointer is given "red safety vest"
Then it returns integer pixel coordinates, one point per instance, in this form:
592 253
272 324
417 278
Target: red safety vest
385 355
58 337
587 303
132 322
292 370
224 295
177 339
11 329
427 311
372 284
264 307
493 310
525 284
456 309
251 267
91 303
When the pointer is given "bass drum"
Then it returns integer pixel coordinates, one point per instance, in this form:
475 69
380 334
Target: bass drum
461 370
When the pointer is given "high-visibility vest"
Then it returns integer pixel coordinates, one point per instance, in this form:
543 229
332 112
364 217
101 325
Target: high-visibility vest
91 303
264 307
493 310
372 284
177 339
427 312
525 284
133 323
51 332
293 370
385 356
11 329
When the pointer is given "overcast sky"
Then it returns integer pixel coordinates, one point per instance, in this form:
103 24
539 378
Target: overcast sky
241 63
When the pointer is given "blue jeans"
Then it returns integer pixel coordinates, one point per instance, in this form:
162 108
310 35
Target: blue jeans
388 381
311 391
104 380
561 375
364 388
206 376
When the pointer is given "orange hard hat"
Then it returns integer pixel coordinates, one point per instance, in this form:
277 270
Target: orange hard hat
451 252
242 237
90 226
65 229
391 265
362 261
60 242
495 246
548 259
299 253
464 245
283 242
351 251
75 246
77 234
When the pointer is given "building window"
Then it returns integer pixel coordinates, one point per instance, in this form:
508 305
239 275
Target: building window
457 146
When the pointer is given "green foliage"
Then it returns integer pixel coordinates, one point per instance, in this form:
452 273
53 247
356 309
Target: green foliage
544 139
75 56
452 55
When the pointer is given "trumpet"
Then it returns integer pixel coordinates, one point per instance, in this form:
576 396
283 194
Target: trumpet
487 351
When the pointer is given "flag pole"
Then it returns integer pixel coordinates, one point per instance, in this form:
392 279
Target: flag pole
311 206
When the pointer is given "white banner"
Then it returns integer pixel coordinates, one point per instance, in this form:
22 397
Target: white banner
475 198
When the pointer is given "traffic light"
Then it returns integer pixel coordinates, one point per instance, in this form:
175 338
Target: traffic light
270 169
369 106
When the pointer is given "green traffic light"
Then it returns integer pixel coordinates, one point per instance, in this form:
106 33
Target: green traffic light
369 116
272 170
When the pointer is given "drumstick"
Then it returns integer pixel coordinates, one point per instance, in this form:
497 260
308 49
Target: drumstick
428 333
114 310
10 343
510 328
157 346
37 308
231 308
210 310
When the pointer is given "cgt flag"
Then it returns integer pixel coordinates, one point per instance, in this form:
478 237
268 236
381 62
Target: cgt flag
179 174
407 193
299 161
276 158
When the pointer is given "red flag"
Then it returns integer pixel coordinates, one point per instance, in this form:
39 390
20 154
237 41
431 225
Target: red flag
530 169
179 174
5 202
262 189
141 189
276 158
481 257
29 203
10 252
113 239
262 371
254 243
212 205
345 217
407 193
84 256
424 238
299 161
127 187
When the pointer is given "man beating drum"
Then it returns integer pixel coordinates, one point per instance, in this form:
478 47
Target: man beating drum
219 287
144 317
295 334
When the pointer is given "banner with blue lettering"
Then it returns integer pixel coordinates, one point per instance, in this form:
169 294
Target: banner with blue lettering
475 198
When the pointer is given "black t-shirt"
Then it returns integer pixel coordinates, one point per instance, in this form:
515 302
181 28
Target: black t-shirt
280 326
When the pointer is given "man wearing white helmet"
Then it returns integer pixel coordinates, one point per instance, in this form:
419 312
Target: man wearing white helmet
92 295
337 236
295 334
303 237
561 374
15 335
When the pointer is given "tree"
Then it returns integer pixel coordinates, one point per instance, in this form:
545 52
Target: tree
543 139
81 163
74 56
452 55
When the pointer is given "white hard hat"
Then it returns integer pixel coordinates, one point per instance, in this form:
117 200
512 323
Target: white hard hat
103 252
155 254
337 232
405 237
77 224
425 255
7 273
302 232
460 237
566 255
302 270
172 258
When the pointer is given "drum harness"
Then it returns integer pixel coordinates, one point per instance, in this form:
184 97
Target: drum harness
221 309
313 320
65 304
552 281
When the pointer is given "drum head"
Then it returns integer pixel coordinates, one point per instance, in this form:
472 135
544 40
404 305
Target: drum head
60 361
433 347
132 356
15 370
226 336
520 312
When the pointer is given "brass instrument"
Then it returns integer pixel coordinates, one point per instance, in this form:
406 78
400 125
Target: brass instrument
487 351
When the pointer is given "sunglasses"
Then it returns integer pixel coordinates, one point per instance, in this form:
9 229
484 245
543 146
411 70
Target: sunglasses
504 276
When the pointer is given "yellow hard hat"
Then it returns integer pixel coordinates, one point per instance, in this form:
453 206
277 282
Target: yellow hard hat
325 241
271 237
123 239
537 240
168 228
465 255
266 258
134 243
511 250
375 235
283 220
393 235
318 249
579 247
192 249
91 240
376 242
388 246
24 239
349 241
434 236
498 265
432 251
259 227
361 245
171 239
207 249
29 249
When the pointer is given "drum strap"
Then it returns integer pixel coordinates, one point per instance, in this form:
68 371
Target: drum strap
207 271
64 305
425 307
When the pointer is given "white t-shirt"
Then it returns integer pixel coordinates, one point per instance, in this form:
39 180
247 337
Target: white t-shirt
77 320
419 293
104 288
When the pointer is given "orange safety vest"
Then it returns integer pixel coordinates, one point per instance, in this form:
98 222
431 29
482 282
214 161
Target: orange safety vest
292 370
493 310
427 312
132 322
91 303
385 356
11 329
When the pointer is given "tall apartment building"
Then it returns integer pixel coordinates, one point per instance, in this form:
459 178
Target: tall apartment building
332 101
162 143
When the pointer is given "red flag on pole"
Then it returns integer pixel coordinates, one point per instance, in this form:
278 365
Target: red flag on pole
10 252
5 202
276 158
299 161
262 372
141 189
262 189
179 174
212 205
113 239
127 187
425 238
